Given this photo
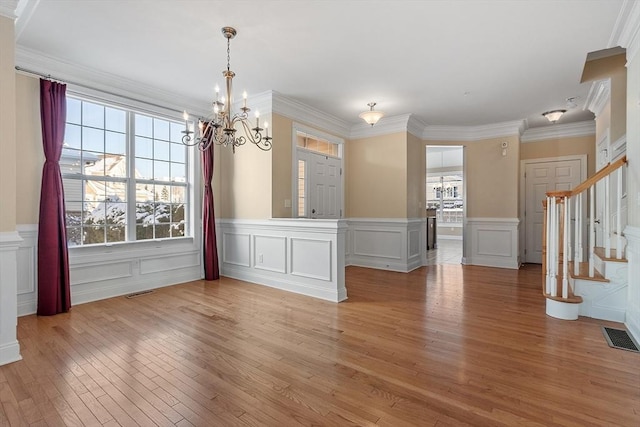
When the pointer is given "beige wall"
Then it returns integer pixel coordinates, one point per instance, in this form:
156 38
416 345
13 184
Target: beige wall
243 182
416 177
29 174
7 126
491 179
377 177
282 164
558 147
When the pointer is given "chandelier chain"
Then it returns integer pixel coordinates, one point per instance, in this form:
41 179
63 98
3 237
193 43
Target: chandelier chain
228 53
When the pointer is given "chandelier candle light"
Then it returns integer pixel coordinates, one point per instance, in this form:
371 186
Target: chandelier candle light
221 128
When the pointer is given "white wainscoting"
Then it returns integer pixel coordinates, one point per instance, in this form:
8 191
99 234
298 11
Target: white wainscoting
9 346
492 242
101 272
387 243
632 317
305 256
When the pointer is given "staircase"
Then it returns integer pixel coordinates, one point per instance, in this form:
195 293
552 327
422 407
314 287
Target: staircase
582 278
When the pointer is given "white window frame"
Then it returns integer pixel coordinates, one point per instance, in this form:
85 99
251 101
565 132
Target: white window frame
122 250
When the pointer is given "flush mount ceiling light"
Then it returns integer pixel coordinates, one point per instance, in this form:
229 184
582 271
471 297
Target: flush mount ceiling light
554 115
371 116
221 128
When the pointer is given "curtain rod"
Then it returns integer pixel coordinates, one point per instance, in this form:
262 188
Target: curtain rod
50 77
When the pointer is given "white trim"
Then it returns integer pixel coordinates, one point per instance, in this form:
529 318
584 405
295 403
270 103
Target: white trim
598 97
492 242
555 131
632 315
310 261
8 9
9 347
104 82
473 133
626 31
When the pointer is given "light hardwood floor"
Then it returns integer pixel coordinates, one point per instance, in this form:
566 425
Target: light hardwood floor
442 346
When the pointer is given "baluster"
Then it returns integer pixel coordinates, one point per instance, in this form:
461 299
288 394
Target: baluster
592 231
547 255
577 254
619 217
553 264
607 216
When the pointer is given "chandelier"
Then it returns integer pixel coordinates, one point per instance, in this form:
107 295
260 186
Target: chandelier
371 116
221 128
554 116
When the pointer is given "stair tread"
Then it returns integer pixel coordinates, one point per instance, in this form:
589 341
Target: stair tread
572 298
600 252
584 273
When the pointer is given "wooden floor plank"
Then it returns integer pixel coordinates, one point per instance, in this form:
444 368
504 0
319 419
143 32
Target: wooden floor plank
445 345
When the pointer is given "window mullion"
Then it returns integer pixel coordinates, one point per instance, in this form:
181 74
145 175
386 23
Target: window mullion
131 178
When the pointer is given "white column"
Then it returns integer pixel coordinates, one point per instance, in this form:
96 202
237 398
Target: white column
565 249
548 253
9 347
553 247
606 233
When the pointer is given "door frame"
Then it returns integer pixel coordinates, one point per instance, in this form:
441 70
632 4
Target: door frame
523 188
294 164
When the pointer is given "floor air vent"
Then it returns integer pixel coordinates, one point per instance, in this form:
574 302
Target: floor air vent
138 294
619 338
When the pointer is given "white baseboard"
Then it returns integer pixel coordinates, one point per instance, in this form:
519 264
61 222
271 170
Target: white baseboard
108 271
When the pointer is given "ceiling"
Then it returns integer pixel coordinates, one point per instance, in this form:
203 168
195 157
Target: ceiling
450 63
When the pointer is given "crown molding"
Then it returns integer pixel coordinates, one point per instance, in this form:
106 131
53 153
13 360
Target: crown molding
80 77
626 31
386 126
556 131
24 12
474 133
8 8
303 113
598 97
415 126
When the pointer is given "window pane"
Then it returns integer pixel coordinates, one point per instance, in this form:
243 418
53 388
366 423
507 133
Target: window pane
178 173
116 120
161 150
92 163
74 107
116 213
74 236
92 115
177 213
72 136
177 230
144 213
176 132
93 235
115 166
115 143
161 129
178 194
161 171
70 162
116 191
162 193
144 232
116 233
144 147
144 192
163 231
178 153
144 126
95 191
144 169
92 139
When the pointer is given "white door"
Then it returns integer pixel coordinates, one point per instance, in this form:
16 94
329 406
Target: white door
323 186
540 178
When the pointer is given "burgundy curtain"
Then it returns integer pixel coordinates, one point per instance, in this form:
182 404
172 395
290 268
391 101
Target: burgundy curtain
210 247
53 261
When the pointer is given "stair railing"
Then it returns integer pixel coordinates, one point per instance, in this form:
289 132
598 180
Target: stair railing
559 246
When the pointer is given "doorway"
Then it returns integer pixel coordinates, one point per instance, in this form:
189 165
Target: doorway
445 203
540 176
